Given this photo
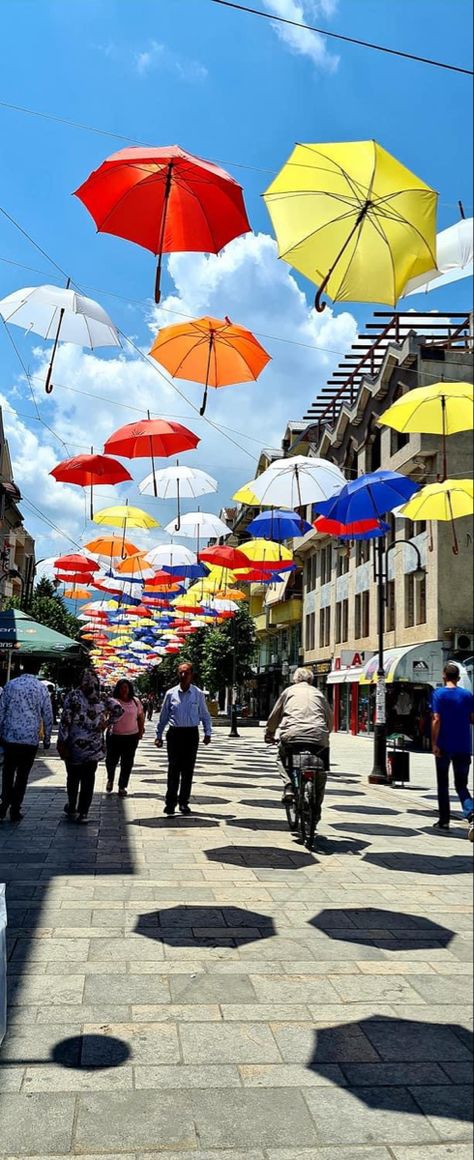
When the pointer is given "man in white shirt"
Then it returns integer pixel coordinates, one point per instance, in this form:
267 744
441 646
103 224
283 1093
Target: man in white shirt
184 707
24 707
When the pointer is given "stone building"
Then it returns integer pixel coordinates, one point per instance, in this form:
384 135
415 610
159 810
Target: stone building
17 547
427 619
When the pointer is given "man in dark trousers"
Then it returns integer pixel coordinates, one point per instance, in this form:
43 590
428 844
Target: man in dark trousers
184 708
25 711
453 715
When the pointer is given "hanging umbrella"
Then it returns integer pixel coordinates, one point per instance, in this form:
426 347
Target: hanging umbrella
200 525
372 534
279 525
165 200
246 496
123 516
212 351
369 497
440 409
57 313
171 556
224 557
77 593
151 438
136 566
75 578
76 563
108 547
267 555
327 527
353 219
450 499
297 481
178 483
454 259
90 471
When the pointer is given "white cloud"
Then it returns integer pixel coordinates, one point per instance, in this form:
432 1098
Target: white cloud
154 56
310 44
248 283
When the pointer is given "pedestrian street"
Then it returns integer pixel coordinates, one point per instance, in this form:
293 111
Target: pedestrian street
203 987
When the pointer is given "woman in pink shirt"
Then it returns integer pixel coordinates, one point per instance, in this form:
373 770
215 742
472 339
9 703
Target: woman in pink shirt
123 737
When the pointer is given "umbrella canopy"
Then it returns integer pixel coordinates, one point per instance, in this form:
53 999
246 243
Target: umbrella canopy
267 555
454 259
440 409
57 313
108 548
224 556
212 351
75 577
369 496
335 528
76 563
279 525
353 219
123 516
178 483
165 200
77 593
171 556
90 471
200 525
151 438
297 481
25 635
450 499
136 566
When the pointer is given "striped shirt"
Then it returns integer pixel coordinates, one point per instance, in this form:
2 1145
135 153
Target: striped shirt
184 710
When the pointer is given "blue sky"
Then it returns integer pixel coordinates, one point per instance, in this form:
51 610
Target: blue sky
228 87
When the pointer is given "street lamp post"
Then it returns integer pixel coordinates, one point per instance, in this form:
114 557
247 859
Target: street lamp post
233 709
378 775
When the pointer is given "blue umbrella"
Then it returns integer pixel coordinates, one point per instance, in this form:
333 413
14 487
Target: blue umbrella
279 525
369 496
189 571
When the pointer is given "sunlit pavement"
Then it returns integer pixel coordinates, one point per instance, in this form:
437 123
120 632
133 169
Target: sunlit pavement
203 987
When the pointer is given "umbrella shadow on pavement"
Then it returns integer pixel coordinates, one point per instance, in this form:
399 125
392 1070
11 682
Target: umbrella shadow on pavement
261 857
421 863
392 1066
350 809
377 829
205 926
372 926
82 1052
168 822
338 846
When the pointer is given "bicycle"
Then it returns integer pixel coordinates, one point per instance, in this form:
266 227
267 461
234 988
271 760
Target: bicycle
307 773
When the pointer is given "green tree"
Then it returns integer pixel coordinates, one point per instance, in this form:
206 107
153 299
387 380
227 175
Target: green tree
237 638
48 608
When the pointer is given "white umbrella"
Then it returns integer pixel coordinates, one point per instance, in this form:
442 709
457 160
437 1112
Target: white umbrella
178 483
200 525
171 556
57 313
297 481
454 257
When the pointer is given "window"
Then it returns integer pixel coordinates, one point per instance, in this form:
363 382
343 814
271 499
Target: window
321 628
421 601
338 636
420 527
362 552
327 638
342 621
362 614
409 600
326 564
375 450
397 438
343 562
314 567
324 627
390 613
307 574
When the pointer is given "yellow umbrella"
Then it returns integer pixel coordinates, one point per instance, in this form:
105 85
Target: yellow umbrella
441 409
353 219
123 516
266 552
246 495
450 500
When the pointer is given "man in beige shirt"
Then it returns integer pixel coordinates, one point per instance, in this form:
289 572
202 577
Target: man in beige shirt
304 718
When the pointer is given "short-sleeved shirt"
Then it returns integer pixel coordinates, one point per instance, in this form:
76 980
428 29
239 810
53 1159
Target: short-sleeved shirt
127 724
454 707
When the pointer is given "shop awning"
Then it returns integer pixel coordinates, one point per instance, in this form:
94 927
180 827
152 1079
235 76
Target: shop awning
345 676
419 664
21 633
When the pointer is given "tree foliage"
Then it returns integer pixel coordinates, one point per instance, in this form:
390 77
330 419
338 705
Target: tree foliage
211 653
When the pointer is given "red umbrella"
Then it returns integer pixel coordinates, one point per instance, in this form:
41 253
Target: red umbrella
75 578
165 200
76 563
89 471
224 557
335 528
151 437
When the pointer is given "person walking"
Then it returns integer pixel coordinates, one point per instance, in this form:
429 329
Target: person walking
84 719
453 715
25 710
123 737
184 708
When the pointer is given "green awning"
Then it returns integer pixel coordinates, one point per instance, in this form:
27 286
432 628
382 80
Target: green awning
18 631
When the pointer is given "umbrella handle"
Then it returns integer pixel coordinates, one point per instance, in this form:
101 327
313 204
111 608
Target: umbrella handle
158 280
48 386
318 304
202 408
167 192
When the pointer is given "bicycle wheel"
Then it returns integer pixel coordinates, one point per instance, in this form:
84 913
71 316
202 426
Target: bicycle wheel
308 814
291 815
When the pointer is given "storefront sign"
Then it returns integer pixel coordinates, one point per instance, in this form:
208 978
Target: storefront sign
350 659
321 668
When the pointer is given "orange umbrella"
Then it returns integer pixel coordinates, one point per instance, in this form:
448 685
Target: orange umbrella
77 593
212 351
111 546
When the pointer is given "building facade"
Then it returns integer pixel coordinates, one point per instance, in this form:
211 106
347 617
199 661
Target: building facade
17 547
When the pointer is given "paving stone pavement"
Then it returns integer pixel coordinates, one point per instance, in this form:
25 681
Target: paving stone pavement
203 988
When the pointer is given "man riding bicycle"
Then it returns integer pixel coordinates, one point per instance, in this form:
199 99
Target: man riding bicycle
305 720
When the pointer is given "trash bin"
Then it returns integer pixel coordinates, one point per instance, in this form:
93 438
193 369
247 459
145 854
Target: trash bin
3 964
398 760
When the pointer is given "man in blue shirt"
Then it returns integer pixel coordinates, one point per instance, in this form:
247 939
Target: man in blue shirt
453 715
184 707
25 707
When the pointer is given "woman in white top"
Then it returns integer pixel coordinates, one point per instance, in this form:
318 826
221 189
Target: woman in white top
123 737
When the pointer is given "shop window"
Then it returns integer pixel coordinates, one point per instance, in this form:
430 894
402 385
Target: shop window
421 601
390 611
409 600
